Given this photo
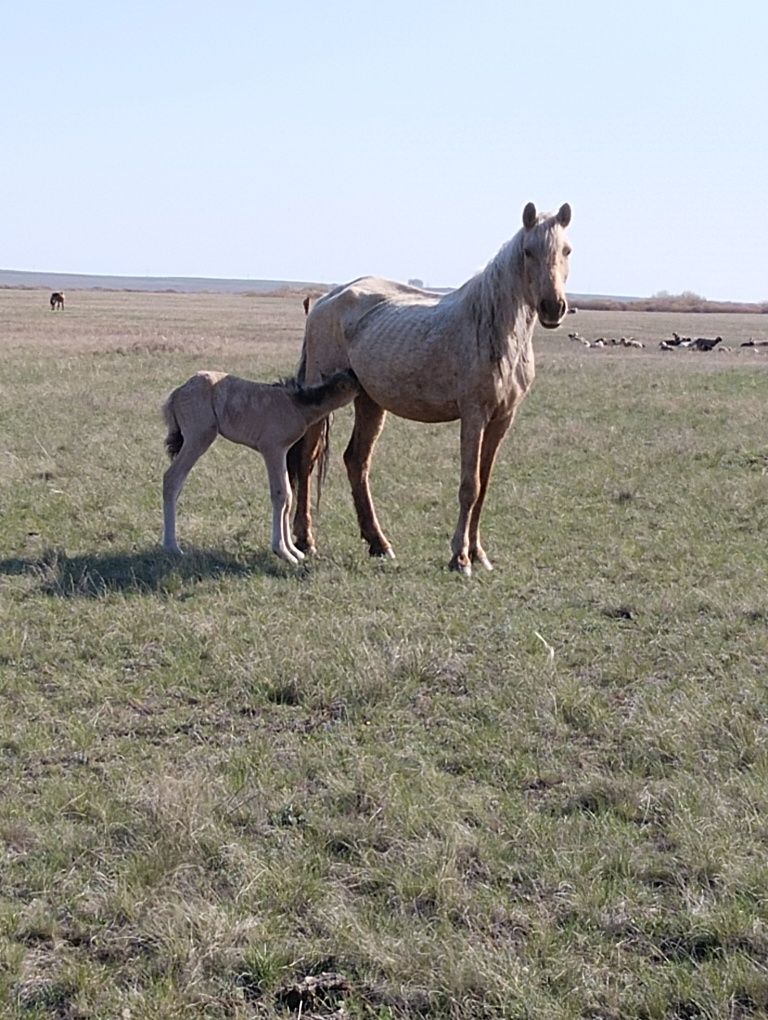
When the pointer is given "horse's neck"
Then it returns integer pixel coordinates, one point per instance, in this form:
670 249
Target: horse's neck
496 297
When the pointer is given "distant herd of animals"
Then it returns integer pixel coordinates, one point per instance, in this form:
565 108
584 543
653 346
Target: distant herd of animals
388 346
676 343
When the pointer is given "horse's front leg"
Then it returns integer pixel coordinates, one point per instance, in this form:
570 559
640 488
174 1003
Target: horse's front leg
469 490
492 436
305 454
369 421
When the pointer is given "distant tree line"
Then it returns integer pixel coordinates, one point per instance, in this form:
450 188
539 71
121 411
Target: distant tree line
663 301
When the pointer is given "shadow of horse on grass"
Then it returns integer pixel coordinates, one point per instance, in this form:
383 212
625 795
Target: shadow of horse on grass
94 575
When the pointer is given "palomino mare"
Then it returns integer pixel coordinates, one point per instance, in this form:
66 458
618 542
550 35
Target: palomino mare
268 418
431 358
57 300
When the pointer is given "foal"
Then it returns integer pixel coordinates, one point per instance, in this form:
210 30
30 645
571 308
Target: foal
269 418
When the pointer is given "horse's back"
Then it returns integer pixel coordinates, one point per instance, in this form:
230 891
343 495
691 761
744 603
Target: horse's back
352 302
396 339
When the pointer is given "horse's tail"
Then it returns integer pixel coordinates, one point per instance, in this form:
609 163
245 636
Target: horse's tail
174 439
323 457
294 456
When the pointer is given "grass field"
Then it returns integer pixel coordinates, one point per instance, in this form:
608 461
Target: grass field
541 793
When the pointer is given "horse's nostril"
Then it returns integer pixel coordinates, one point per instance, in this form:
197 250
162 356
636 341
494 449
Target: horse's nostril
551 310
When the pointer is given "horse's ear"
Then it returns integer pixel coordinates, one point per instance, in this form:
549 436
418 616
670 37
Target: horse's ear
529 216
564 215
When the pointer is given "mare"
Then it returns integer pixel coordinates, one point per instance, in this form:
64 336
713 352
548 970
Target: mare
269 418
428 357
57 300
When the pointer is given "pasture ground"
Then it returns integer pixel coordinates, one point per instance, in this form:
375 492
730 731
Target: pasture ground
541 793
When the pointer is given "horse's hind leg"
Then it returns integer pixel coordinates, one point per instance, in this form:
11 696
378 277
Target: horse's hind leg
307 453
369 421
173 481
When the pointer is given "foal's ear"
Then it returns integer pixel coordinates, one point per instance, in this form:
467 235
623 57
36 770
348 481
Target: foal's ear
529 216
564 215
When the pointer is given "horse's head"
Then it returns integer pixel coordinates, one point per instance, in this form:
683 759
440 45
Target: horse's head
545 263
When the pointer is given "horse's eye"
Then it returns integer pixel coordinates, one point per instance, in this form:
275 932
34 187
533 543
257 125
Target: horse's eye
529 253
567 251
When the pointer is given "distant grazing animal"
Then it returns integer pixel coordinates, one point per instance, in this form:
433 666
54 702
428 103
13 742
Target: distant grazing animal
268 418
432 358
701 343
57 300
704 343
309 299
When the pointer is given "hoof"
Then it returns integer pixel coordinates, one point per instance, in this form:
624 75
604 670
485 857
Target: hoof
172 550
478 556
307 548
461 565
286 557
382 552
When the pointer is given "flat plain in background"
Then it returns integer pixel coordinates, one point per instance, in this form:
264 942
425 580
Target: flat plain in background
540 793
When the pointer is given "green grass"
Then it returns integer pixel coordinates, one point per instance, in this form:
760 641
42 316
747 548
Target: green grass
220 775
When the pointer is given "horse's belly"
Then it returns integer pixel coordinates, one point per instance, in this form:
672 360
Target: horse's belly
411 401
410 383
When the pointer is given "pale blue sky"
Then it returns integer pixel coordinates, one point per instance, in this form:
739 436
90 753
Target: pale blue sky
323 141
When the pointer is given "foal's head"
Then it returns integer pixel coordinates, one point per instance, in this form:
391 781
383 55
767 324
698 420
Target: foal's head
338 389
545 262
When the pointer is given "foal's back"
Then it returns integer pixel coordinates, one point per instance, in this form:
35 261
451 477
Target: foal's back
255 413
252 413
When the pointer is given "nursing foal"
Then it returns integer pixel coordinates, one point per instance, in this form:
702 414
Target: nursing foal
269 418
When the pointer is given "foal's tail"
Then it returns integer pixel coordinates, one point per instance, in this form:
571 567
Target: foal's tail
174 440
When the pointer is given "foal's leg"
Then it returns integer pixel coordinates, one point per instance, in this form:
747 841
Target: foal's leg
286 527
369 421
494 433
302 521
173 481
469 490
280 492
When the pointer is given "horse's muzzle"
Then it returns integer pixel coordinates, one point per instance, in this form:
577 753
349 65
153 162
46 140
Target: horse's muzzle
552 313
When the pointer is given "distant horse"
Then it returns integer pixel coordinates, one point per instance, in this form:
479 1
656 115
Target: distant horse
268 418
57 300
430 358
309 298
